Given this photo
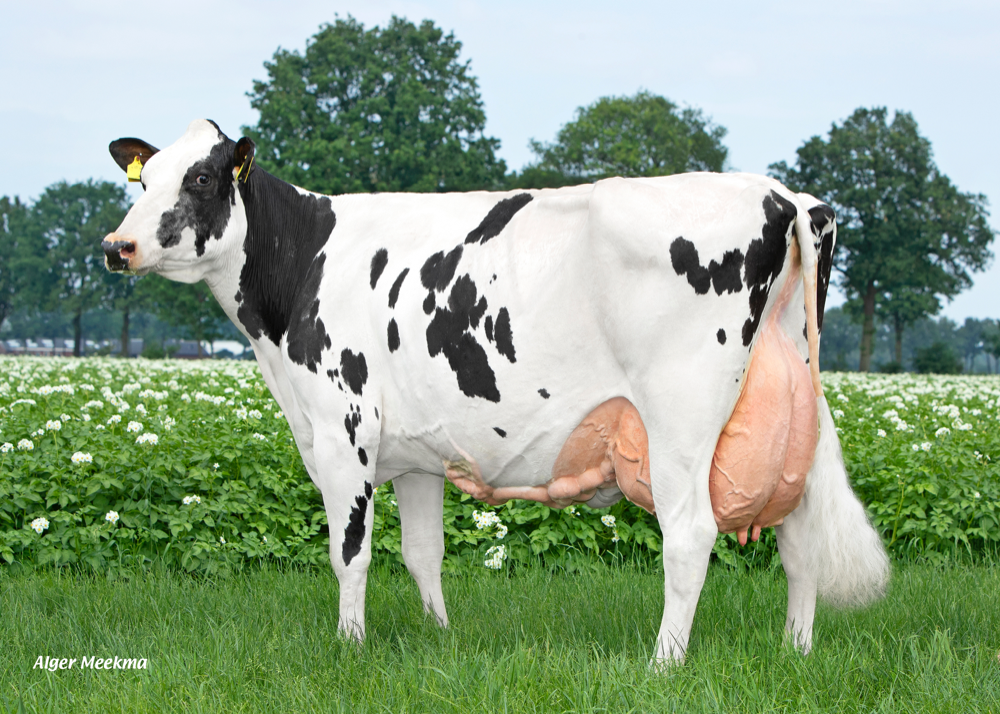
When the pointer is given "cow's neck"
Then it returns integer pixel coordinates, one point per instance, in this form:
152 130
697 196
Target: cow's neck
285 234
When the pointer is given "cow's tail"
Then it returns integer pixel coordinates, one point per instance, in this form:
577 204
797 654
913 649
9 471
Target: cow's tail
851 565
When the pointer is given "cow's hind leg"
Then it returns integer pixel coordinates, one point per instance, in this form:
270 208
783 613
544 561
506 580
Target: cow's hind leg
421 511
798 562
684 511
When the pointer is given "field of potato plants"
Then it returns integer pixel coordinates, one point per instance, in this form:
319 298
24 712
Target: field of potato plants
111 463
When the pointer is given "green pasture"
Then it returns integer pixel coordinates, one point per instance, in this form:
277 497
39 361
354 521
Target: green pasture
266 641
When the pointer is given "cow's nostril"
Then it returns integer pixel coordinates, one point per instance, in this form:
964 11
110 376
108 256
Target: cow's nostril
128 250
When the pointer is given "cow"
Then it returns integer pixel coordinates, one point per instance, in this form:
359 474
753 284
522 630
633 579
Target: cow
652 338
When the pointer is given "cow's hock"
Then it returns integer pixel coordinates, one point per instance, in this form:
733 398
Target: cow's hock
766 449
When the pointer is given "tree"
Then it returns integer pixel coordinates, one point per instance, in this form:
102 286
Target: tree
71 220
374 110
903 228
937 359
21 259
642 135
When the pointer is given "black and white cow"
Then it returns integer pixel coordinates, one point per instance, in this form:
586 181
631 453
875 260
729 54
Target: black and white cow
568 345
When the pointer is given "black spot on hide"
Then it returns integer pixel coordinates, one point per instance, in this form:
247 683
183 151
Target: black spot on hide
376 412
363 456
823 220
488 327
307 336
204 209
429 303
394 290
721 336
393 335
765 258
355 370
448 333
504 336
379 261
285 232
501 432
544 393
439 269
724 277
354 533
351 422
497 219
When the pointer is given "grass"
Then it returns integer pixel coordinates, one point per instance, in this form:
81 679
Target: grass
266 641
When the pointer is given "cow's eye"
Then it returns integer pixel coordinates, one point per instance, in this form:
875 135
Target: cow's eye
203 179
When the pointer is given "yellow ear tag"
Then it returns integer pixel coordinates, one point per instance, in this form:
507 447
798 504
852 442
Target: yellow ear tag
134 169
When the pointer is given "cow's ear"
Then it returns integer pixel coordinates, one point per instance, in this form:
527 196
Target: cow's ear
131 154
243 159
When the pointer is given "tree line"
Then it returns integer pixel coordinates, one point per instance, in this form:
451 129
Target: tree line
394 109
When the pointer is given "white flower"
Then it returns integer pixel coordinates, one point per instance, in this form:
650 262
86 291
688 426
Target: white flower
495 557
842 398
82 458
149 438
25 445
111 517
891 415
134 426
40 432
903 426
259 437
279 415
838 414
188 500
141 409
485 519
241 413
215 466
255 414
7 446
925 446
40 524
881 433
65 417
608 520
93 403
977 494
265 538
168 423
86 417
916 447
616 538
571 510
222 540
53 425
114 419
185 397
501 531
100 426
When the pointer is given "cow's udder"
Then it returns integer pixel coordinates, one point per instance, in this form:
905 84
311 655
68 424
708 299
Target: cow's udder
767 447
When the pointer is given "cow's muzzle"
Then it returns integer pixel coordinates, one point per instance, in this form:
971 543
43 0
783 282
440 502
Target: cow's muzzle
117 254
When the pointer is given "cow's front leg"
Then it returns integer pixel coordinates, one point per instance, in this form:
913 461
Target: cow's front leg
346 483
421 512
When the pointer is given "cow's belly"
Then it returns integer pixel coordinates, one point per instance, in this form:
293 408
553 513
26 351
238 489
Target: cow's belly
767 447
606 456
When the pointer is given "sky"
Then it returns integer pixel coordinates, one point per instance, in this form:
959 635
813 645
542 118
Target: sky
78 74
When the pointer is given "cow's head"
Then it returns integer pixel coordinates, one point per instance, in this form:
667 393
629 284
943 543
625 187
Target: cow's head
191 210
